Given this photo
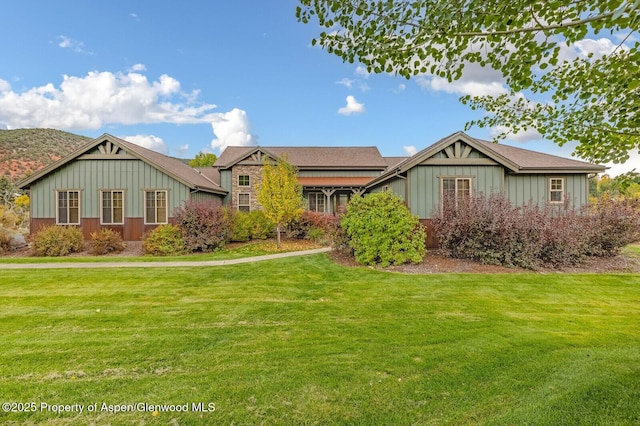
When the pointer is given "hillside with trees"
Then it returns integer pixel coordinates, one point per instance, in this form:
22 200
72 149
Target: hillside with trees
24 151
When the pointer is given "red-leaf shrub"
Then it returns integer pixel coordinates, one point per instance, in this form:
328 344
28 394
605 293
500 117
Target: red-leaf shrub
491 230
205 225
318 227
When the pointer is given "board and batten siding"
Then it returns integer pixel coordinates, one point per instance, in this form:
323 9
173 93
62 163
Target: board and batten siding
91 176
424 184
396 185
534 188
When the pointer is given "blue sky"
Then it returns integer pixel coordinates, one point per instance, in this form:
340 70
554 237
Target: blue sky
190 76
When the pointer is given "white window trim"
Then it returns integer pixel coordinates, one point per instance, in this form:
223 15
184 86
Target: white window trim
57 206
144 206
247 185
244 205
562 191
111 191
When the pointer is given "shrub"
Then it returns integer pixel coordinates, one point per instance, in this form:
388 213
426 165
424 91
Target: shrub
241 227
317 227
612 225
254 225
382 230
58 241
261 227
5 240
493 231
205 225
106 241
165 240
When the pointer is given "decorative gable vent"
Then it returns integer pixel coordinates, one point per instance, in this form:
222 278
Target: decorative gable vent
458 150
108 148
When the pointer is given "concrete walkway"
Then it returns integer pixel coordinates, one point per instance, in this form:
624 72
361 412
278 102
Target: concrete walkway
160 264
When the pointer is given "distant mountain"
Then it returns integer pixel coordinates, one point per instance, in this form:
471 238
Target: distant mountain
25 151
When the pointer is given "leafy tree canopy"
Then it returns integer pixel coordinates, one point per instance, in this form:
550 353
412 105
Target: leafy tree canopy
203 159
280 194
591 99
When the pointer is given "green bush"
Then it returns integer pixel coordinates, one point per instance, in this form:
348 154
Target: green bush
165 240
241 227
254 225
106 241
382 231
58 241
261 227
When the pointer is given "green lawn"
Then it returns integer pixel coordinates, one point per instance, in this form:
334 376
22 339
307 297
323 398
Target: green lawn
305 341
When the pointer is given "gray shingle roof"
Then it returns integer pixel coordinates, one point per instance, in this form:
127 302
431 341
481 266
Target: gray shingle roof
311 157
174 167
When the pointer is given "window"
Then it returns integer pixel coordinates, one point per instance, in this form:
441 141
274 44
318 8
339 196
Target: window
243 180
112 211
68 208
556 190
456 189
316 202
244 202
155 207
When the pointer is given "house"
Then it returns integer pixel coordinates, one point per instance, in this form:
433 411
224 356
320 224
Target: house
460 166
329 175
116 184
112 183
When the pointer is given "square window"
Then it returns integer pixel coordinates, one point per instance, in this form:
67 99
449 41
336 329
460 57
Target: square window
243 180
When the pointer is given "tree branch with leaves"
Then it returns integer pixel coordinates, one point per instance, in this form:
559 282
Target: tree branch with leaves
594 101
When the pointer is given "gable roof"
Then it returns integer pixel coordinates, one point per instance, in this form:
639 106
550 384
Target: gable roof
173 167
310 157
516 160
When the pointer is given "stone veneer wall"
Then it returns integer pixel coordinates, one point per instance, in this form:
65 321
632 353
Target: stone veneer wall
255 179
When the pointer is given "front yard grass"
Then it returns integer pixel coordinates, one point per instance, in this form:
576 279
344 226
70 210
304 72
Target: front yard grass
306 341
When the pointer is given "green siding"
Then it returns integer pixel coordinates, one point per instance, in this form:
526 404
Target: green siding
523 189
396 185
424 184
226 183
91 176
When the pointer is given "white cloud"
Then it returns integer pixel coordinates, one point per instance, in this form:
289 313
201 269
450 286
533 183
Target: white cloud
401 88
475 81
152 142
632 163
410 150
352 107
522 136
75 45
232 129
346 82
138 68
99 99
182 149
362 72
